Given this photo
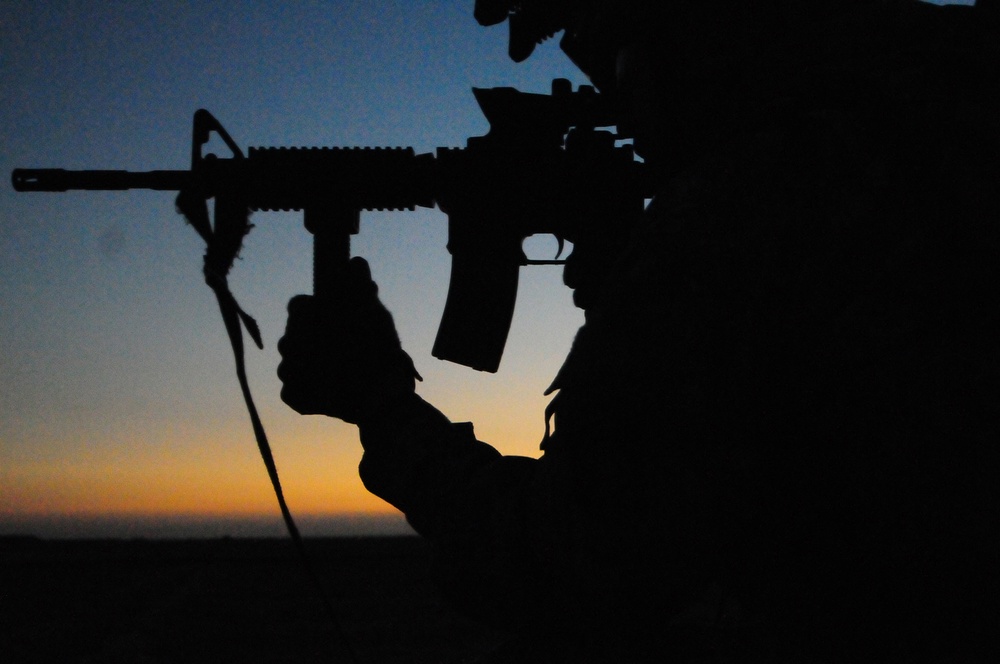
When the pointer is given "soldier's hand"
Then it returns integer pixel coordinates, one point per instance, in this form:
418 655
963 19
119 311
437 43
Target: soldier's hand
346 360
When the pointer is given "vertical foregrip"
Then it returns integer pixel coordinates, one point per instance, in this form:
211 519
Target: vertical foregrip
331 252
331 229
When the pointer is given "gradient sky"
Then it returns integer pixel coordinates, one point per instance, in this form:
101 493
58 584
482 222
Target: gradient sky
118 399
119 408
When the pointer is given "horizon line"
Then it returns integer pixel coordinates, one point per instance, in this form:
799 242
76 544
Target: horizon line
199 526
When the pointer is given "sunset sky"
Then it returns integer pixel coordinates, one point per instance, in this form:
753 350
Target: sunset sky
119 408
120 412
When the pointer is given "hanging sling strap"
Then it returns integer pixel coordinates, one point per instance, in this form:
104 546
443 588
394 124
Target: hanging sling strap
223 243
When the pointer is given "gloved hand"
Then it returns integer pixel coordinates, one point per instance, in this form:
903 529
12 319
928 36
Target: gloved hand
344 359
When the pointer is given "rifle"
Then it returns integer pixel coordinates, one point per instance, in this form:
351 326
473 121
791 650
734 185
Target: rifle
543 167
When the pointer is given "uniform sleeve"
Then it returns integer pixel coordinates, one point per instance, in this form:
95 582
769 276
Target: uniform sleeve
480 511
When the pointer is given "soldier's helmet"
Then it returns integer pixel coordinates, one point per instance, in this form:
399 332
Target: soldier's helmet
594 29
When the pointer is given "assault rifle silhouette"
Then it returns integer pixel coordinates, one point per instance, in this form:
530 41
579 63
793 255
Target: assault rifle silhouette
543 167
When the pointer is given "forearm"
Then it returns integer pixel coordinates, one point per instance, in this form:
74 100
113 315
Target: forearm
478 508
431 469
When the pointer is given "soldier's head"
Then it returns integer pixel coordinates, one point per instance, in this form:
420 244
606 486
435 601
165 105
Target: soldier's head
594 30
682 68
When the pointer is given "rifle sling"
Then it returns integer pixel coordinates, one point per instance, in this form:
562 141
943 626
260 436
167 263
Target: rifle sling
223 244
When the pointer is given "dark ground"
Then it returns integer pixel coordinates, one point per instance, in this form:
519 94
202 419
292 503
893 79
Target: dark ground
225 600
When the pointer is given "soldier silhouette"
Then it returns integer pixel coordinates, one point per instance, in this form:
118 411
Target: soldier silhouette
776 436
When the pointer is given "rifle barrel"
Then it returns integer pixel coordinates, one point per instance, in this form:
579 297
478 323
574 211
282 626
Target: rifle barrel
59 179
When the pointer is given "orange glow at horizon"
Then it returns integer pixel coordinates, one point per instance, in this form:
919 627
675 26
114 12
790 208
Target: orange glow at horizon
219 473
207 478
140 491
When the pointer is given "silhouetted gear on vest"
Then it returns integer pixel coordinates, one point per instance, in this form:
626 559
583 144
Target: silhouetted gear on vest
775 437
